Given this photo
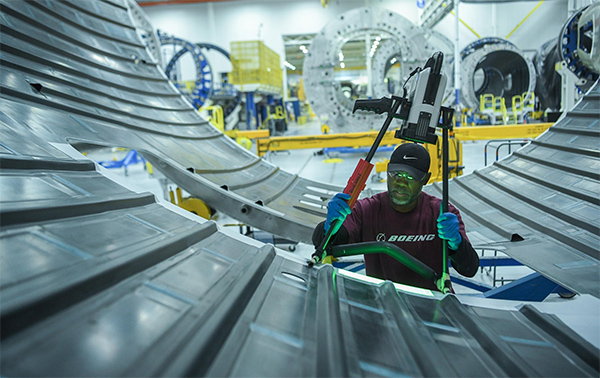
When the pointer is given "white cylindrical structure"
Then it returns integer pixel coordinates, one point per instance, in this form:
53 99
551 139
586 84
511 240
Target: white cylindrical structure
409 42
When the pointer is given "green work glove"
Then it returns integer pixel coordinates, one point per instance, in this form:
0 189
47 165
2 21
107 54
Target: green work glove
337 208
449 229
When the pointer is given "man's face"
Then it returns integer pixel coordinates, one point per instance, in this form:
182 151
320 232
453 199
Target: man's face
403 189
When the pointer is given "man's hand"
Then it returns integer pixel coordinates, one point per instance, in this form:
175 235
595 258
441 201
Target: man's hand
337 208
448 228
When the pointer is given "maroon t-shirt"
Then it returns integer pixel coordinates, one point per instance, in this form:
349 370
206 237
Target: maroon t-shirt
374 219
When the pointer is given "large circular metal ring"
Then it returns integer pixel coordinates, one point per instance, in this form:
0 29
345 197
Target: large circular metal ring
325 95
391 51
575 45
497 67
589 39
203 88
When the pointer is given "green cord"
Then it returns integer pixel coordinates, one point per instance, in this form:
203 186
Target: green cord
334 282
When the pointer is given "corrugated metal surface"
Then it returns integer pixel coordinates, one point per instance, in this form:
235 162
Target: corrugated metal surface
77 71
97 280
541 205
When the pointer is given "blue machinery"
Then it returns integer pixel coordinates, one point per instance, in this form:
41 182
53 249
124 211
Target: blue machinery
204 88
204 80
132 157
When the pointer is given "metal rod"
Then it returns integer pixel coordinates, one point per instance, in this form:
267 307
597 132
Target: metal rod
522 21
445 191
456 60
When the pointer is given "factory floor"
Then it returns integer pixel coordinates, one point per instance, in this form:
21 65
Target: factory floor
314 164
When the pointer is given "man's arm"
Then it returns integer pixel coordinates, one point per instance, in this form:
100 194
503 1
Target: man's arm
465 260
341 237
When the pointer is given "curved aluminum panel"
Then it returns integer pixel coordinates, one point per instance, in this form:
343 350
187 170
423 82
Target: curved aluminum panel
102 88
97 280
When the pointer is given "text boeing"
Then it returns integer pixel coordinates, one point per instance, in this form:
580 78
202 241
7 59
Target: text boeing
411 238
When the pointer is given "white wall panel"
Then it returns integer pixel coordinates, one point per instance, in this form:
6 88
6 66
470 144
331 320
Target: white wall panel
543 24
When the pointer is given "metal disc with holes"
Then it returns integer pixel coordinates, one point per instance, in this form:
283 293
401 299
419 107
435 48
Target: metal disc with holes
325 94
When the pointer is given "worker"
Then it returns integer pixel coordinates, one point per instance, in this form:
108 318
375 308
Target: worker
404 216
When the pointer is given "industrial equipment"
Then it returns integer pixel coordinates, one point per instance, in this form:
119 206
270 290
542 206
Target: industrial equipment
193 205
496 67
408 44
99 280
568 65
204 78
255 71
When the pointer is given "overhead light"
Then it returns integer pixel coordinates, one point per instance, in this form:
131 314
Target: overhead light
393 61
342 64
289 65
341 56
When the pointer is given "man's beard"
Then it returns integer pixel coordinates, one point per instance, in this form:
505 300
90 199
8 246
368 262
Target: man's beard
402 202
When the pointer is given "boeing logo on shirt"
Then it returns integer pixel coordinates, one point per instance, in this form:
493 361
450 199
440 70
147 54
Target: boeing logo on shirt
410 238
381 237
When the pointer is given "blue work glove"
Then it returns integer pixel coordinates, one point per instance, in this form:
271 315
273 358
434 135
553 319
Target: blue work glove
449 229
337 208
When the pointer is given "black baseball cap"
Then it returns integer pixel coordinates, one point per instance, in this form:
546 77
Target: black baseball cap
412 158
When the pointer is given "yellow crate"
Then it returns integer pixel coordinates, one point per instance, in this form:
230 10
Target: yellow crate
255 63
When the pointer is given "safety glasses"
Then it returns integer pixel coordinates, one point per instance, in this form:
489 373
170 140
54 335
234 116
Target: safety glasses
397 175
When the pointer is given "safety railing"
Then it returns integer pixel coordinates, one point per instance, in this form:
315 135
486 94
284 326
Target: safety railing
503 142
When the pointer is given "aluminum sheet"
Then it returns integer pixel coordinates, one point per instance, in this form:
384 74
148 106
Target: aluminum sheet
89 79
99 280
86 77
541 205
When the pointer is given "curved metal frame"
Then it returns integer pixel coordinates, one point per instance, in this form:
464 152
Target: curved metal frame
324 94
569 50
477 52
204 82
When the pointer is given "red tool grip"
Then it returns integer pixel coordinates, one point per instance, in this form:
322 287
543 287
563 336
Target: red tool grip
358 180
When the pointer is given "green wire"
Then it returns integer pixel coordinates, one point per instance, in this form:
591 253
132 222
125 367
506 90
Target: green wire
334 283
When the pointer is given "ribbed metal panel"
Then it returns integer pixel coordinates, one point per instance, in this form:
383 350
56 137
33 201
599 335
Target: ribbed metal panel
84 76
541 205
97 280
